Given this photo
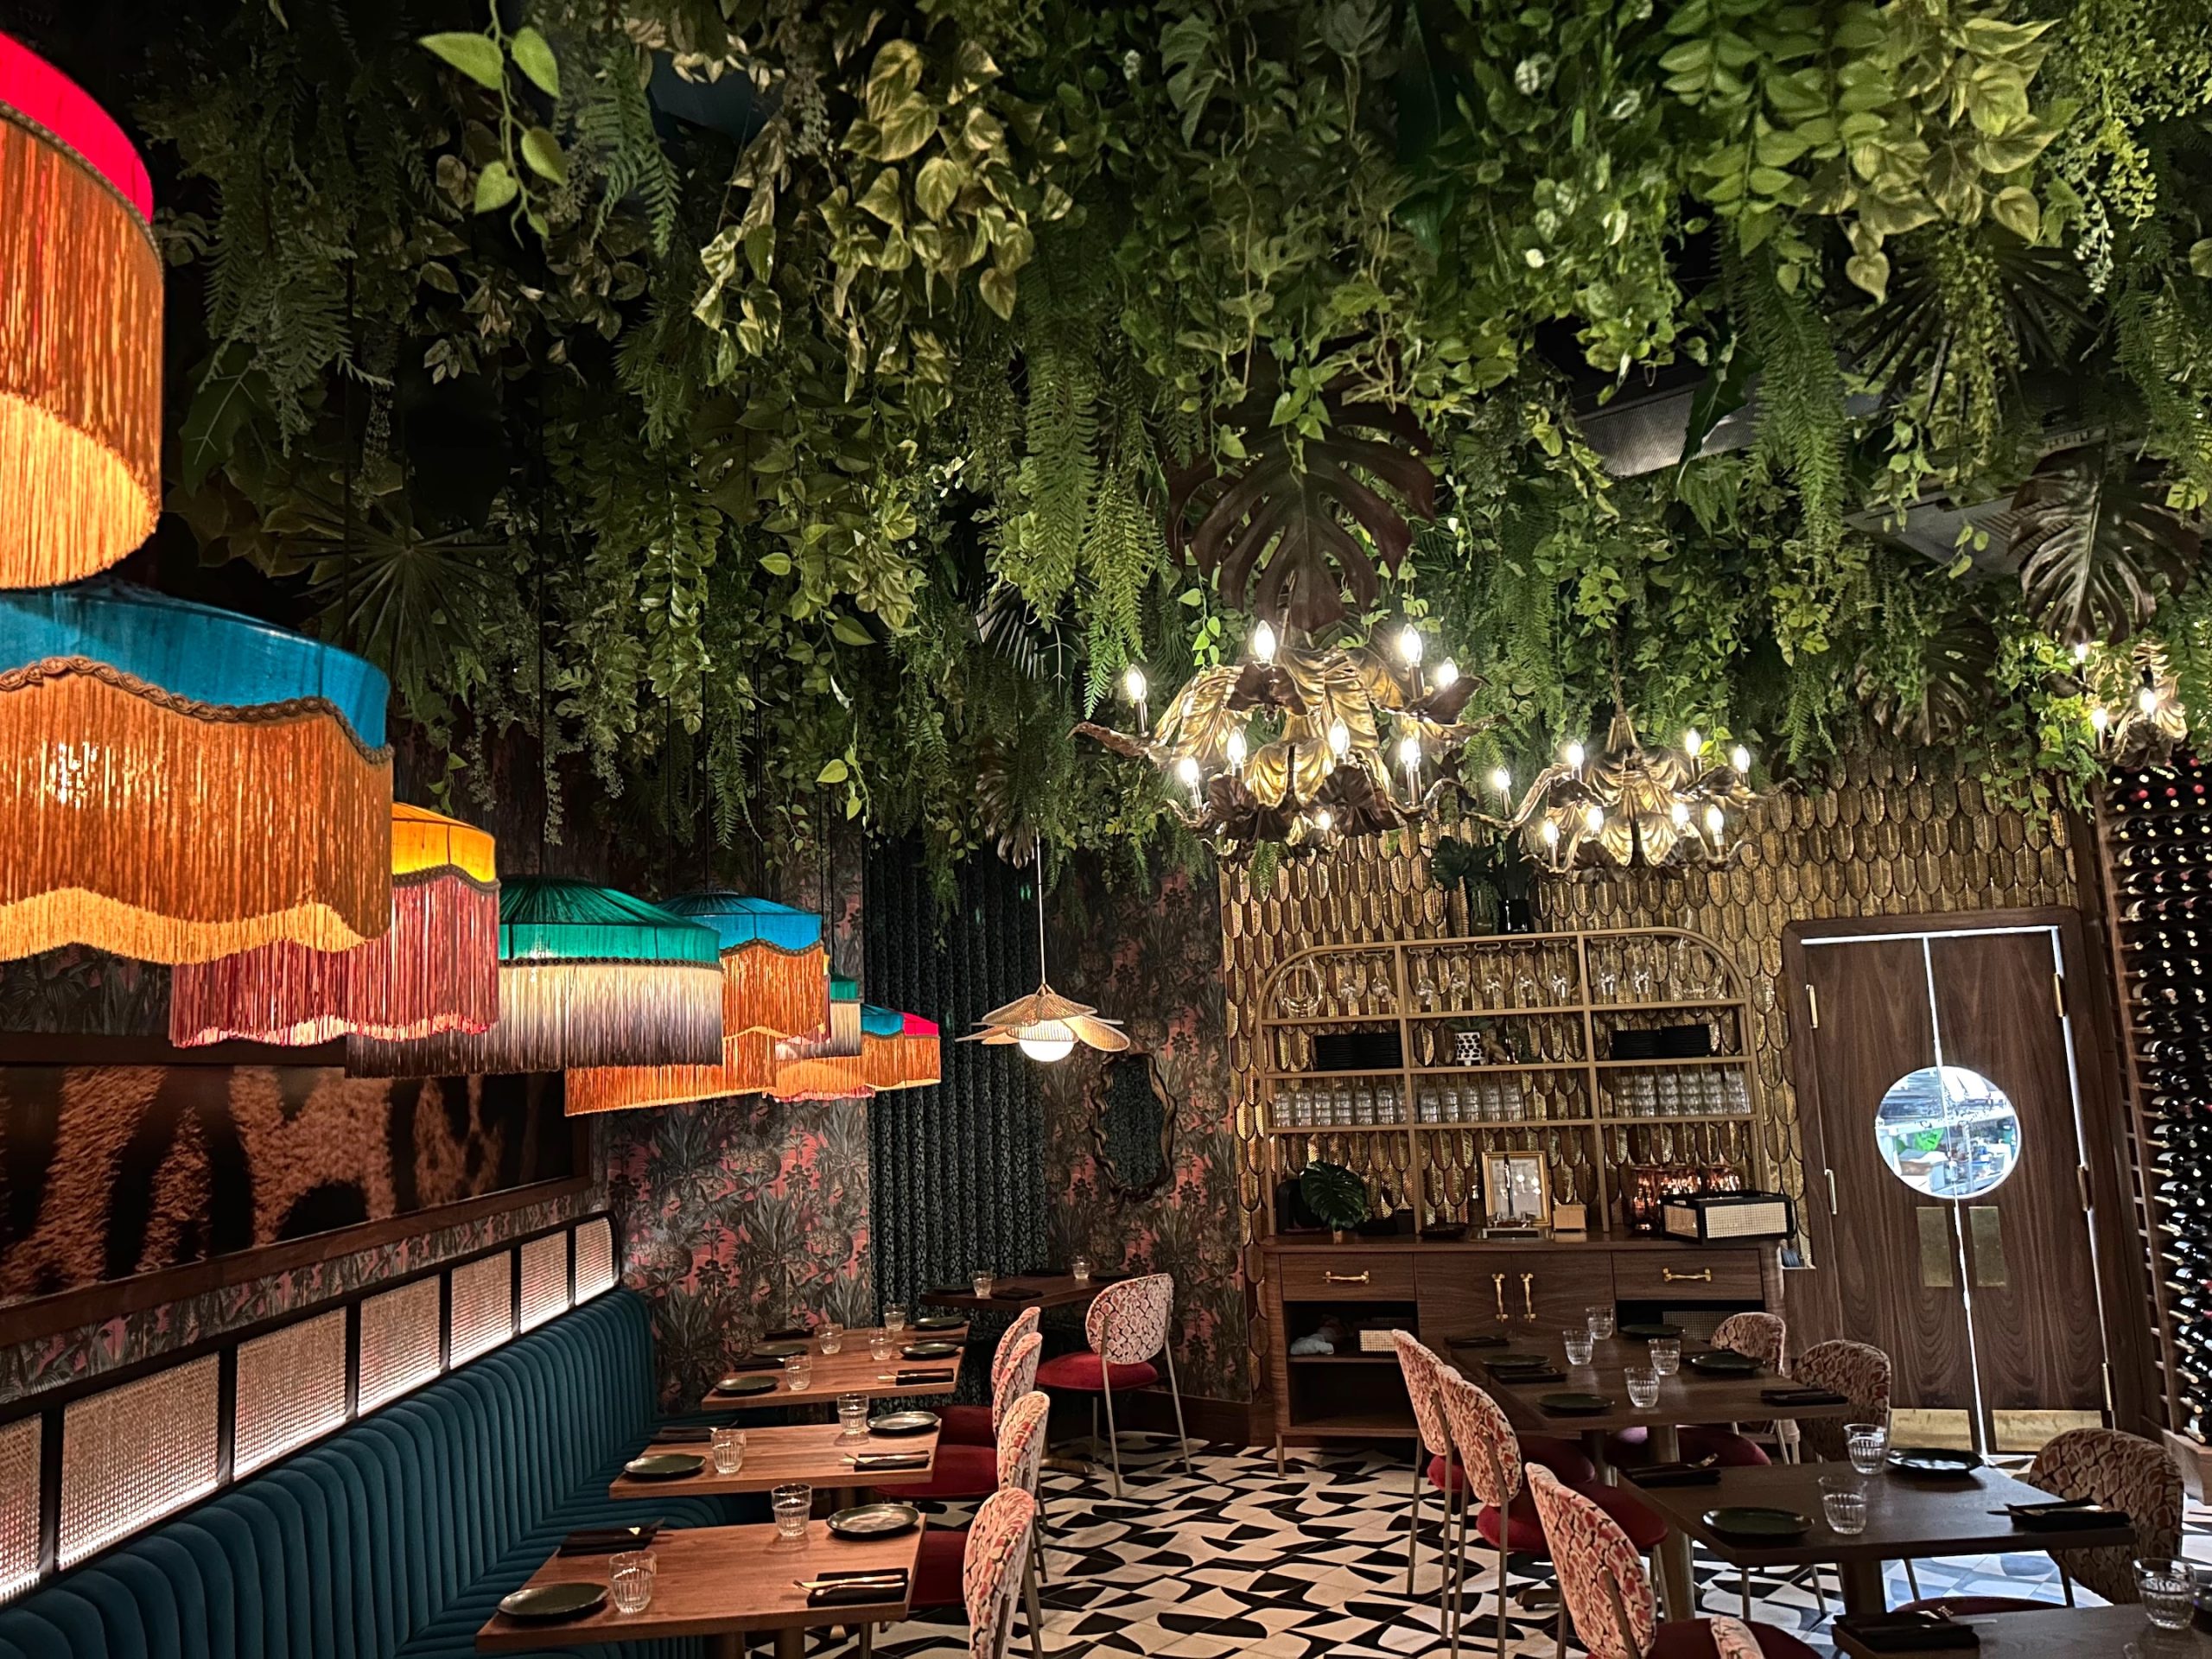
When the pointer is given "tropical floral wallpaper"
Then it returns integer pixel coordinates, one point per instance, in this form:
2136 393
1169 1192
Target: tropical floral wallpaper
1150 956
737 1216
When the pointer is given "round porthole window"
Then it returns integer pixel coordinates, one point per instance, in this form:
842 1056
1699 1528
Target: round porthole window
1947 1132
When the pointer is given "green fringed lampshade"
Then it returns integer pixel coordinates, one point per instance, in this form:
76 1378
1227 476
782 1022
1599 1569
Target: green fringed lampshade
587 978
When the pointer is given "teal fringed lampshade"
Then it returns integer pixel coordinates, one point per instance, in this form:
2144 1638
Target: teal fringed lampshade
587 978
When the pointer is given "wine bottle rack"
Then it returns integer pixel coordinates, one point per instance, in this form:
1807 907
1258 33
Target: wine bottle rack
2155 832
1548 1010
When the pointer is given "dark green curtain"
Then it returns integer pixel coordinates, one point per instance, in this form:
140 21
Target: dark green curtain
958 1173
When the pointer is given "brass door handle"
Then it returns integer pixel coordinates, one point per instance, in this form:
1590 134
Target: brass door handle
1702 1277
1498 1283
1346 1278
1833 1209
1529 1297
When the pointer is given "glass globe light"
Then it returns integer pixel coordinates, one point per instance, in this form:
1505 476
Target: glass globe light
1046 1042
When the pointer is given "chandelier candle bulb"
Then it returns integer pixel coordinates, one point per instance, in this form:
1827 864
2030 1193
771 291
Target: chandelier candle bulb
1447 675
1263 643
1502 781
1575 756
1692 742
1409 646
1340 738
1237 750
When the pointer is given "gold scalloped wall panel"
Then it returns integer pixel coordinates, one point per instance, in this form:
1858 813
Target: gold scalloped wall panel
1880 844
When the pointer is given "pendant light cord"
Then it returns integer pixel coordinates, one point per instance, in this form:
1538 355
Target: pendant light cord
1042 977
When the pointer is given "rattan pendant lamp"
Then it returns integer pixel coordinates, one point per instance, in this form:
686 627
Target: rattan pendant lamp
1046 1024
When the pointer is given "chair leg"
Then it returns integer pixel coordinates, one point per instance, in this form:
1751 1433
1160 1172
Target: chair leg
1559 1650
1501 1603
1911 1579
1413 1527
1455 1578
1094 1423
1043 1565
1113 1440
1036 1613
1174 1394
1819 1595
1747 1591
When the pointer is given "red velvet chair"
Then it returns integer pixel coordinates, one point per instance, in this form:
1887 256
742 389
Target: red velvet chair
1128 1327
978 1425
973 1471
944 1564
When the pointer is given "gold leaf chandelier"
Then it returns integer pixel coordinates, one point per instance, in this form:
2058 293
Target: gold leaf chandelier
1301 745
1632 804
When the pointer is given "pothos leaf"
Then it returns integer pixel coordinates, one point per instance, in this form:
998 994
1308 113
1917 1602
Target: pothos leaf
477 56
534 57
495 187
2097 547
542 150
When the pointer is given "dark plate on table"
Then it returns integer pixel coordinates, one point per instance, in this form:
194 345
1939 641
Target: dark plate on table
903 1422
778 1349
550 1601
939 1322
788 1333
1652 1332
1933 1462
1573 1405
875 1521
1519 1362
929 1349
1723 1363
757 1382
664 1466
1751 1521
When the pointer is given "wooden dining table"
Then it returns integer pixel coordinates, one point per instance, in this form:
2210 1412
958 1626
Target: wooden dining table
1039 1290
851 1369
2065 1633
817 1453
721 1583
1907 1517
1688 1396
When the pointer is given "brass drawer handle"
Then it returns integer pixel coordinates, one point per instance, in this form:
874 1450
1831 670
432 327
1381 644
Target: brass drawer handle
1529 1297
1703 1276
1497 1282
1346 1278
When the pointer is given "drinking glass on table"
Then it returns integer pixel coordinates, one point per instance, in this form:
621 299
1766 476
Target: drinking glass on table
981 1285
728 1447
832 1335
1601 1315
1868 1445
2169 1592
895 1318
1666 1355
792 1505
1080 1267
1843 1500
798 1373
1578 1344
630 1579
852 1416
1642 1387
881 1347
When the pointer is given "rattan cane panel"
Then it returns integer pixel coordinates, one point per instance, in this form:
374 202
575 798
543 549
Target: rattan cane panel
19 1461
399 1342
545 1280
133 1454
483 1307
594 1258
1879 842
291 1389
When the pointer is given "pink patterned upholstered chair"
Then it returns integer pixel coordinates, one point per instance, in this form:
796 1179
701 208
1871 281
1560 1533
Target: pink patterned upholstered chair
2105 1466
998 1551
937 1578
1128 1326
973 1471
979 1425
1857 1372
1498 1479
1605 1589
1762 1336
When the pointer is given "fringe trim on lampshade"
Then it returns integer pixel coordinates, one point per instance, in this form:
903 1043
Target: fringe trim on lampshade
748 1067
437 969
148 826
785 993
80 365
842 1077
836 1039
557 1015
912 1059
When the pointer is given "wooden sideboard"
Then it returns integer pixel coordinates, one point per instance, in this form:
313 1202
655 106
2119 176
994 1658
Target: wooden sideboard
1530 1288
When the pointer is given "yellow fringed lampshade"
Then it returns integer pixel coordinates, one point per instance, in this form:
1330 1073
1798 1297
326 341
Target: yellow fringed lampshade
587 978
437 969
898 1051
81 331
179 783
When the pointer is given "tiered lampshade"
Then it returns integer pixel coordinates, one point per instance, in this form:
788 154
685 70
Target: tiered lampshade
828 1062
775 981
775 967
179 783
898 1051
437 969
81 331
587 978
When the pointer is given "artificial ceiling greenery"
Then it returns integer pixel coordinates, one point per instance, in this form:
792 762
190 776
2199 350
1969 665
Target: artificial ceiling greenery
807 386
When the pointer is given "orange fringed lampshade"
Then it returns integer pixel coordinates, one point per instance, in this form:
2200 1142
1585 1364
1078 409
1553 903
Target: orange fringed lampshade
898 1051
748 1067
828 1063
437 969
179 783
81 331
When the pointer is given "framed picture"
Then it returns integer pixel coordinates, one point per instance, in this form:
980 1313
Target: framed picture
1516 1191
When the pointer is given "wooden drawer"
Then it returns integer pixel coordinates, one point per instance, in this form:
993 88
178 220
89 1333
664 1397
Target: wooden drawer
1354 1276
1543 1290
1704 1275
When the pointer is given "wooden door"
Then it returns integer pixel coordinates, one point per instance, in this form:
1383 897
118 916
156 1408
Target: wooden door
1889 1253
2030 1282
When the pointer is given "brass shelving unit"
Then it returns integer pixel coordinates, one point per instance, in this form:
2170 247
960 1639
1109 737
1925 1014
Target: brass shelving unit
1553 1000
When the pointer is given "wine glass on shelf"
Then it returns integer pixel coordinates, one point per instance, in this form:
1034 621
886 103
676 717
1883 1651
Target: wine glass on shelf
1424 986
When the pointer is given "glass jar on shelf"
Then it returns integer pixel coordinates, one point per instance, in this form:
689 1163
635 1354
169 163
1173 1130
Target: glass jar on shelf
1515 1101
1340 1108
1738 1096
1670 1096
1362 1107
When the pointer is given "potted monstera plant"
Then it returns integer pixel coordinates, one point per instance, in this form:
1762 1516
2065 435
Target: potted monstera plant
1337 1197
1497 882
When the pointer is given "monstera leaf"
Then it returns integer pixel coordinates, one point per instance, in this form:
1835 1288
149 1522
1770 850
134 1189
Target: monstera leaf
1954 690
1336 1195
1303 522
2096 545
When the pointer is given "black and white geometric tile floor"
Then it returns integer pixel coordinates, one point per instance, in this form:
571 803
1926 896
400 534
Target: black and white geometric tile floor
1234 1561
